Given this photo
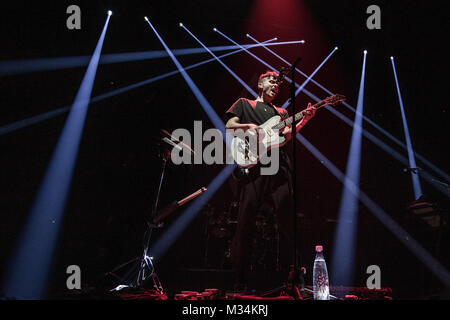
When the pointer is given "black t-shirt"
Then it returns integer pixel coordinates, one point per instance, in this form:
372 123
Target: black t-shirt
250 111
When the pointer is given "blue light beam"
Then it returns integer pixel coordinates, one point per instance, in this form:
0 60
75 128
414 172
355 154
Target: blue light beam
251 54
437 170
182 222
410 243
51 114
423 255
309 78
412 162
391 151
171 235
215 119
28 272
22 66
267 64
252 92
427 176
344 246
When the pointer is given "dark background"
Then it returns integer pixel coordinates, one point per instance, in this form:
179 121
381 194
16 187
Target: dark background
117 170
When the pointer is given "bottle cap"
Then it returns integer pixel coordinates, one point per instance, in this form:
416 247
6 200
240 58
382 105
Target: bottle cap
319 248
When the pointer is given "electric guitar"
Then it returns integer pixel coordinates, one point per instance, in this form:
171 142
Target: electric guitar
244 146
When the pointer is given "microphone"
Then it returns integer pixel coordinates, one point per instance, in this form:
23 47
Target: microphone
174 142
285 70
282 73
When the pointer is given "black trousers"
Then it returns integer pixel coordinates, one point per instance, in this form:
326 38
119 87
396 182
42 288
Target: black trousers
257 191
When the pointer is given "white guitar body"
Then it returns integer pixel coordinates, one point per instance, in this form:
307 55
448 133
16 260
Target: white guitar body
247 151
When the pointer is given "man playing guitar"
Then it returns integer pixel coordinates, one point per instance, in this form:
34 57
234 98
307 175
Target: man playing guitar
258 190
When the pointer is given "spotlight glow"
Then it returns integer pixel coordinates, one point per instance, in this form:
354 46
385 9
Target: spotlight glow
365 51
180 24
392 58
145 18
38 241
215 119
335 48
54 113
345 236
214 29
423 255
411 160
109 12
250 90
385 147
161 246
302 86
377 141
164 242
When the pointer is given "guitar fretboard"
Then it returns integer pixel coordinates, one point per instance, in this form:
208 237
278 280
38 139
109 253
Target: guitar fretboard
297 117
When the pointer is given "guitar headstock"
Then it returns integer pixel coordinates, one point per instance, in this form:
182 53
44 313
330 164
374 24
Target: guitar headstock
333 100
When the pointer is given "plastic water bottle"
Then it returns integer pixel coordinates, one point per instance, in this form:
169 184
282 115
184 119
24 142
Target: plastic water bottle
320 276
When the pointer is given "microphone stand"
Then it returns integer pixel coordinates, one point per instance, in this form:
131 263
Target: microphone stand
295 275
146 274
145 268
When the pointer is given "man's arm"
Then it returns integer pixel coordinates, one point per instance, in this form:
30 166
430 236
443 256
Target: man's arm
234 123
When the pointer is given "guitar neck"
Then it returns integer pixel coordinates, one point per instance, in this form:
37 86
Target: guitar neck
298 116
